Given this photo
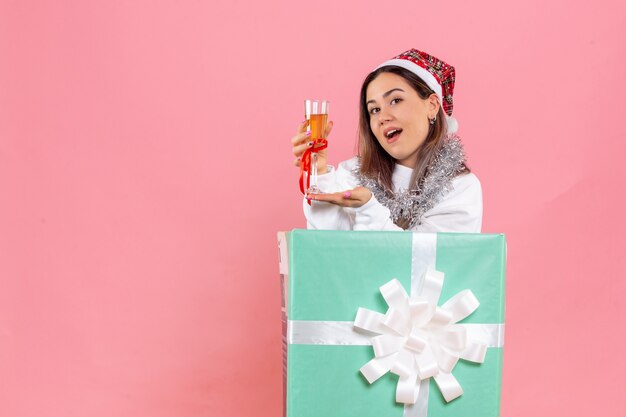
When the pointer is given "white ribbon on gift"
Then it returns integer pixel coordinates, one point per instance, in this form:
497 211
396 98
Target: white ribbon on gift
416 338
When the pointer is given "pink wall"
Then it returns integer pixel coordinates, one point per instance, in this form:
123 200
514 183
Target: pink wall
145 170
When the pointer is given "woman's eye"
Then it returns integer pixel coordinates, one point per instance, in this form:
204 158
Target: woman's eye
396 100
374 110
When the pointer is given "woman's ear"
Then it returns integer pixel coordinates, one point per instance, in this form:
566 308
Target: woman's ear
433 105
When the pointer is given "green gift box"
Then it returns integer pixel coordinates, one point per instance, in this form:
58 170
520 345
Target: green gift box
328 275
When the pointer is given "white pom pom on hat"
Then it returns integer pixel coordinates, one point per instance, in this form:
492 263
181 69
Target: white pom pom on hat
452 124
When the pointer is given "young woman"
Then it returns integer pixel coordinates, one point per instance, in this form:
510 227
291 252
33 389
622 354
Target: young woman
411 172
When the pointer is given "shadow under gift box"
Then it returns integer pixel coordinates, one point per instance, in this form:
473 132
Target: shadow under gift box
328 275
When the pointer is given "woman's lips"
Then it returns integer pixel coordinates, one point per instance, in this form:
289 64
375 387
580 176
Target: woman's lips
394 138
392 133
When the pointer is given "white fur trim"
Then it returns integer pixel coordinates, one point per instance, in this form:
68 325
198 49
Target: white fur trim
428 78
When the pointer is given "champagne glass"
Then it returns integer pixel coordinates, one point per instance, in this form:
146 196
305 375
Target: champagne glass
316 115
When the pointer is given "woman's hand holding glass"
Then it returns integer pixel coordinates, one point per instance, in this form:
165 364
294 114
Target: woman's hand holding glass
349 198
303 141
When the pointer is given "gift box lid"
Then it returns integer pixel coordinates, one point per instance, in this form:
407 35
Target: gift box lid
336 272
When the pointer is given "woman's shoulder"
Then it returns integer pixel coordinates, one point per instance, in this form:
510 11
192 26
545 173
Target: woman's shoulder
349 165
346 170
342 178
466 189
466 181
460 210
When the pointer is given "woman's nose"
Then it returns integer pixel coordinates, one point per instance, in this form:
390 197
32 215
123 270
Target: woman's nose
384 116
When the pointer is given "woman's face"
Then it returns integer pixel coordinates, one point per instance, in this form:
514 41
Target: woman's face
399 117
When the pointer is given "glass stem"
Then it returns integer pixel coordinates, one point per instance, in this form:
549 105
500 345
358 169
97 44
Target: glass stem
313 184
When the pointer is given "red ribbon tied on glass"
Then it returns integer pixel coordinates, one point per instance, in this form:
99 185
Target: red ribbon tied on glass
305 164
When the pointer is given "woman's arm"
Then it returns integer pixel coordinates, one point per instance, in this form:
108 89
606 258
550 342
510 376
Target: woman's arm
374 216
461 210
324 211
322 215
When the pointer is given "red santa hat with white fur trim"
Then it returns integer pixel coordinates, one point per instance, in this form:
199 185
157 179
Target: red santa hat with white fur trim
438 75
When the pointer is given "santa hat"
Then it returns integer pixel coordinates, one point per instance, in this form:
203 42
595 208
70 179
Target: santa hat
438 75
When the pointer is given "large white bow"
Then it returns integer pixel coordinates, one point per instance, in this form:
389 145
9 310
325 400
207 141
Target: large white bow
418 339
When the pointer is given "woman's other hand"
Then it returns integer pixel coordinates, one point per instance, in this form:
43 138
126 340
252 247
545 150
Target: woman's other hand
303 141
350 198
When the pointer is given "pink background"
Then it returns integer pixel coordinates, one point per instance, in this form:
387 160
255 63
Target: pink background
145 170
